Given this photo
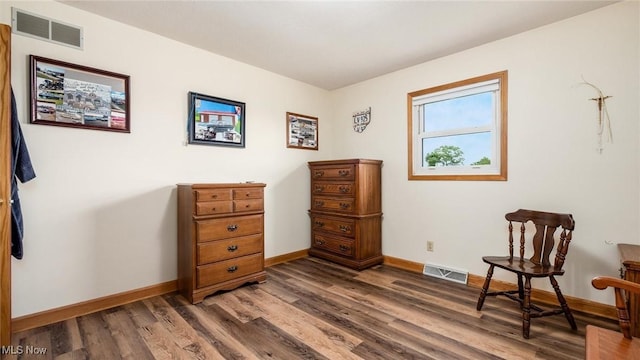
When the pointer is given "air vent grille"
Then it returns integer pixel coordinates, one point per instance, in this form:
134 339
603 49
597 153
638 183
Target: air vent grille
443 272
32 25
40 27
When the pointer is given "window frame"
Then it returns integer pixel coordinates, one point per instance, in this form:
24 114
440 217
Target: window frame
499 130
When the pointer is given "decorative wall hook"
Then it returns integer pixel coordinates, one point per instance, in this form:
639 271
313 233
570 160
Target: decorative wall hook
361 119
604 123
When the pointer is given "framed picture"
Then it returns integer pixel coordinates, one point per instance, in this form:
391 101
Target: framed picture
302 131
216 121
65 94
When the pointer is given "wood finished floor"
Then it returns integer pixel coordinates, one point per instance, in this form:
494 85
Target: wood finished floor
313 309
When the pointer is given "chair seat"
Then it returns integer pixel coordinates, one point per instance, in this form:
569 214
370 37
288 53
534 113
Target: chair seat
608 344
521 266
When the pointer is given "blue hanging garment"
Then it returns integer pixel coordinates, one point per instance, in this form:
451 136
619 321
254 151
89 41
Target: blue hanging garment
21 169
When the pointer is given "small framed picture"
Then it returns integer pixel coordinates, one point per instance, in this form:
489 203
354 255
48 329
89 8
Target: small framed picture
65 94
302 131
216 121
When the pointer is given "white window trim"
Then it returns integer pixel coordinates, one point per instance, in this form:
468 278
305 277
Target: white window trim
495 171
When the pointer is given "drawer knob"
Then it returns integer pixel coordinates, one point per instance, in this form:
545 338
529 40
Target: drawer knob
319 203
345 228
343 172
344 206
232 269
344 189
247 194
319 223
319 242
344 248
318 173
214 196
319 188
232 248
232 227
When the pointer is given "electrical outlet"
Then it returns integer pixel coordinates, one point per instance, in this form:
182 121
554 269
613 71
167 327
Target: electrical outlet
429 245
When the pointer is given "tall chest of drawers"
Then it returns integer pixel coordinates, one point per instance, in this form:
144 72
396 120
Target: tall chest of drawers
220 237
346 212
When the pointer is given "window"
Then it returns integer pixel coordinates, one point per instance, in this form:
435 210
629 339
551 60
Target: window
458 131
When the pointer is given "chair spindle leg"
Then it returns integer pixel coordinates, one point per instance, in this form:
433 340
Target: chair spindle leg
485 288
563 303
526 308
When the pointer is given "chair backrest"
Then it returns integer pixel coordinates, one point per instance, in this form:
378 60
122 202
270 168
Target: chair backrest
602 282
543 240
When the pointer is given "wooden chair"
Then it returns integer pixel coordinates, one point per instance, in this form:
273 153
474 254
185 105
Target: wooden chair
603 343
537 266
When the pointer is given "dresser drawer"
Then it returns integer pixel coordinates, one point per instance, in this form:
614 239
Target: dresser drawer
339 226
342 246
215 229
213 194
251 193
228 270
214 207
342 172
218 250
344 205
333 188
248 205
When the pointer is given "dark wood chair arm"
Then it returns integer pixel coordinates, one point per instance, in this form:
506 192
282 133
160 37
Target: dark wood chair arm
603 282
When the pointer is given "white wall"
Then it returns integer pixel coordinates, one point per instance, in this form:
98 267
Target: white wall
553 163
100 216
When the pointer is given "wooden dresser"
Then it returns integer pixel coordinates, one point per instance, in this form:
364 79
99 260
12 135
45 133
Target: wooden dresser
346 212
630 259
220 237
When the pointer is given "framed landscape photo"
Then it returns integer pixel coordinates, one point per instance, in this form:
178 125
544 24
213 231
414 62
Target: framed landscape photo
216 121
302 131
65 94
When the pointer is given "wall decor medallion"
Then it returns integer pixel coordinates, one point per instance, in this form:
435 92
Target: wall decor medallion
216 121
65 94
302 131
361 119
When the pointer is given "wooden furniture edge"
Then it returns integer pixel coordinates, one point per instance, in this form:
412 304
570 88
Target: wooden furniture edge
90 306
545 297
51 316
5 185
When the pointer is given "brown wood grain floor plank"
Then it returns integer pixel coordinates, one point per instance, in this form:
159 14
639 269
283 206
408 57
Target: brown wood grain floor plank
226 345
379 340
96 337
140 313
265 339
550 328
161 344
37 346
60 338
241 307
78 354
312 309
317 334
125 333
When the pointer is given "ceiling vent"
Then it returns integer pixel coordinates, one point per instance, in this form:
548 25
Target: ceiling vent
447 273
39 27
